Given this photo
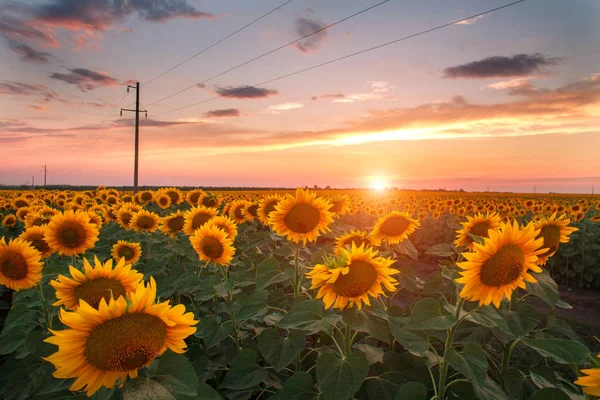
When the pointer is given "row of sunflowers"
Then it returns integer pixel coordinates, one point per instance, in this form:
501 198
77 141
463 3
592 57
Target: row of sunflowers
284 295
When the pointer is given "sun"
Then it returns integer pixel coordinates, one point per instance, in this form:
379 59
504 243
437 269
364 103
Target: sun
379 185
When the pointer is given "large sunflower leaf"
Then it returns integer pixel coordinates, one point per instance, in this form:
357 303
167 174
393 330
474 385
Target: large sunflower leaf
340 378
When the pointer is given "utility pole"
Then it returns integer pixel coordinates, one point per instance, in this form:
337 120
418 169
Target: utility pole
137 131
32 181
45 169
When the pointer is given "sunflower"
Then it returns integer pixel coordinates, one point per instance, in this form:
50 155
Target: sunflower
9 221
20 202
301 218
591 382
144 197
500 265
193 196
226 224
124 215
36 236
340 205
595 218
208 200
172 224
196 217
350 278
22 212
266 206
236 211
71 233
131 251
112 342
174 194
163 200
478 225
213 244
20 265
554 231
144 221
251 211
95 218
35 218
395 227
356 236
101 281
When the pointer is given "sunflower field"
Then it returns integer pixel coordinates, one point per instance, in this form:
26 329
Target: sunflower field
331 295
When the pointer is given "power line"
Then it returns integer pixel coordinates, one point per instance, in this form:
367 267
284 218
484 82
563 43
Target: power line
270 52
343 57
217 43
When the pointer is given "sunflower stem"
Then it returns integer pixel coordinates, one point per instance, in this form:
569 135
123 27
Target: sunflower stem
38 289
297 277
444 364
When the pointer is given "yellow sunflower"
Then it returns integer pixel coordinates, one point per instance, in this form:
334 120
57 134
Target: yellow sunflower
71 233
394 227
172 224
591 382
196 217
36 236
95 218
225 223
124 215
9 221
301 218
554 231
266 206
251 211
163 200
174 194
131 251
496 268
22 212
144 197
352 277
213 244
193 196
478 225
340 205
20 265
96 283
356 236
112 342
236 211
144 221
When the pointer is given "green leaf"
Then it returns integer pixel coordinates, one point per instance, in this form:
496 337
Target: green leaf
205 392
245 372
545 288
470 362
252 305
489 317
559 350
433 283
550 394
176 374
441 250
268 273
522 321
427 314
374 354
299 387
340 378
407 278
489 390
362 321
213 332
309 316
409 340
280 352
413 391
513 382
407 248
146 389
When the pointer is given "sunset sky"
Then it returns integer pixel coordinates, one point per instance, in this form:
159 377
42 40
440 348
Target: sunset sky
510 99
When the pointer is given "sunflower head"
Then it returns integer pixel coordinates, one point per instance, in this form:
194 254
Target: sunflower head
266 206
554 231
340 205
236 211
393 227
103 345
144 221
124 215
196 217
226 224
20 265
172 224
71 233
500 265
36 236
101 281
478 225
213 244
251 211
351 277
9 221
194 196
357 237
590 380
130 251
163 200
302 217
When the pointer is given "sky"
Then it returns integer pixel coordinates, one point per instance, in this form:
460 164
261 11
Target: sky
508 100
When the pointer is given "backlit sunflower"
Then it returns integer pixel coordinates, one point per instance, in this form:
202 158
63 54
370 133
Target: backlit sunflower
352 277
71 233
394 227
591 382
144 221
144 197
193 196
213 244
9 221
20 265
112 342
95 218
266 206
554 231
173 223
101 281
225 223
124 215
236 211
36 236
163 200
131 251
301 218
251 211
196 217
340 205
22 212
496 268
174 194
356 236
478 225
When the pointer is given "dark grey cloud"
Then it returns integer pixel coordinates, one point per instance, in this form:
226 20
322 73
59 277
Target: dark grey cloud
16 29
306 26
148 123
229 112
87 79
329 96
20 89
503 67
28 53
245 92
